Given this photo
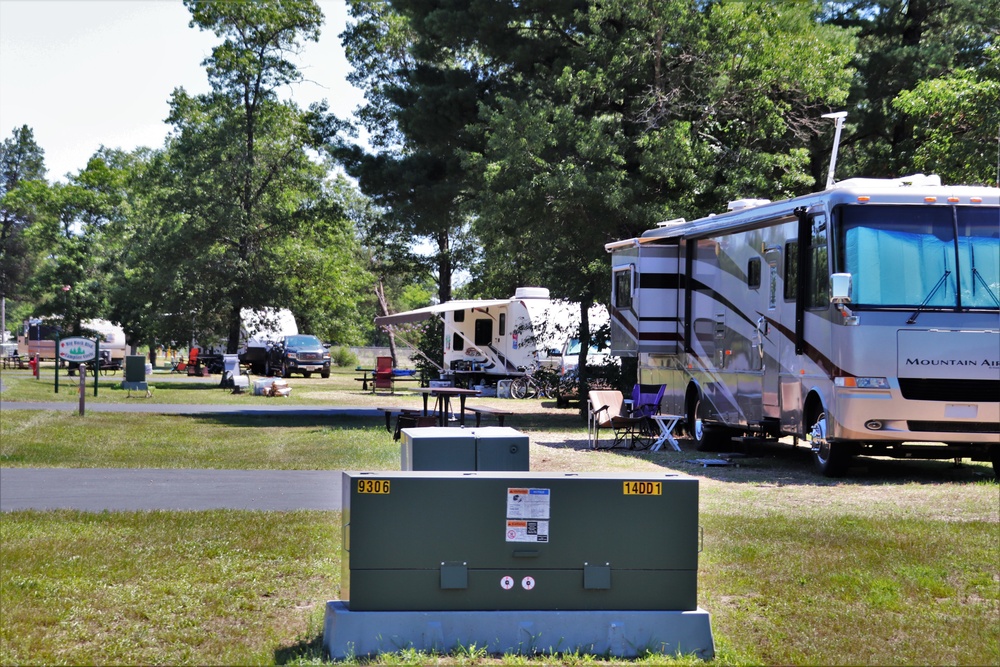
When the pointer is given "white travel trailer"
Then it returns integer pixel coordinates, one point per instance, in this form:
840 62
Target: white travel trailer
38 339
864 319
492 339
259 330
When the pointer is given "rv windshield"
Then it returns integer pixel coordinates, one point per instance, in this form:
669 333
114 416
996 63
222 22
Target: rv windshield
898 255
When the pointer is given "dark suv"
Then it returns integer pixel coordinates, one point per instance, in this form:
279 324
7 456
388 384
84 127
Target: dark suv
299 354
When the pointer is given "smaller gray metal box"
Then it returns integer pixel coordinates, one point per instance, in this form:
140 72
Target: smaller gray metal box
501 448
437 448
483 448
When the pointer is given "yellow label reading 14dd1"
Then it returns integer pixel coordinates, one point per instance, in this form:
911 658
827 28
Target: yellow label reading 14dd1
643 488
373 486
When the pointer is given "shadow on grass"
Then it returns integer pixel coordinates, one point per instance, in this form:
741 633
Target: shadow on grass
252 419
185 386
305 651
786 464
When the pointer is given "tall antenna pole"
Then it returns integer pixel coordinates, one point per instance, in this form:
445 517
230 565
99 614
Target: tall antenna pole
839 117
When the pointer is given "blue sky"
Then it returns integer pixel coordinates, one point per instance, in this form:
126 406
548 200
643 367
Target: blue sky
86 73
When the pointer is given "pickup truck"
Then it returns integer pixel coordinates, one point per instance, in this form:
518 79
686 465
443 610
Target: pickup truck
298 354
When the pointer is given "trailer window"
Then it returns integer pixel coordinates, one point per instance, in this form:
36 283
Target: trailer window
502 326
623 287
484 332
459 315
457 344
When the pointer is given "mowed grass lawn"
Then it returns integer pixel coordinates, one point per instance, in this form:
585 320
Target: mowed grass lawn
896 564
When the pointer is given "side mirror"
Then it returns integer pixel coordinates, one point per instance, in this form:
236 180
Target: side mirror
840 288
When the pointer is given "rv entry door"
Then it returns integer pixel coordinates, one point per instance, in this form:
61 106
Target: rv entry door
766 334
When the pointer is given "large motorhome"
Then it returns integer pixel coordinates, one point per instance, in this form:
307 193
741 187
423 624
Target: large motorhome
864 319
490 339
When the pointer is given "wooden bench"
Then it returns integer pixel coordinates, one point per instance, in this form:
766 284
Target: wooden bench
479 411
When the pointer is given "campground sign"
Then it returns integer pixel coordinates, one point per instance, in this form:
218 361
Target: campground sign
77 349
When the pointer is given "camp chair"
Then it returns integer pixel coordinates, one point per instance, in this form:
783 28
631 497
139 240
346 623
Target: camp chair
232 377
193 367
646 399
607 411
383 375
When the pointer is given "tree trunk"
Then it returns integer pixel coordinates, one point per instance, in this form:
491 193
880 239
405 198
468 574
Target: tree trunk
233 343
583 379
383 305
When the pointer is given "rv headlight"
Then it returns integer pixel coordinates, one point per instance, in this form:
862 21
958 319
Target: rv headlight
862 383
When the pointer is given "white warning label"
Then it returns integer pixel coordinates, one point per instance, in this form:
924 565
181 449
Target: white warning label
528 503
527 531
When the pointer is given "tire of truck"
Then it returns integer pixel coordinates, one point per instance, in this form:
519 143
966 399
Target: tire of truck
830 458
286 372
306 374
324 374
995 455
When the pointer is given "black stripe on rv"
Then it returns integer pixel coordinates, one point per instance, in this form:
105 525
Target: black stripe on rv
659 281
818 358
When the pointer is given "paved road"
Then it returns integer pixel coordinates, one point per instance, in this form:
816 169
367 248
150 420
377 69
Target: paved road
95 490
113 489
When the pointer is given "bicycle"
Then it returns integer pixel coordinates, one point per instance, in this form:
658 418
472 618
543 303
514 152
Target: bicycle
538 382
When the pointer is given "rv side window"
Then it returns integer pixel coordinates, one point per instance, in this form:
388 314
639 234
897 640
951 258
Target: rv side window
502 325
456 343
623 288
459 315
753 273
791 269
819 272
484 332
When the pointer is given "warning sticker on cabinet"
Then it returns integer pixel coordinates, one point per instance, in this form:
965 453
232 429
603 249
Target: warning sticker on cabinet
528 503
527 531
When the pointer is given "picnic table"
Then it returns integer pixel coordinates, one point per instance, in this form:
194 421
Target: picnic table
442 401
15 361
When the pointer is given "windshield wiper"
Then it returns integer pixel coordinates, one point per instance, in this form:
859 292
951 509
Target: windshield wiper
920 308
978 276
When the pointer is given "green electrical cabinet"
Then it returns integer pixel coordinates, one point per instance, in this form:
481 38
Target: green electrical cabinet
519 541
482 448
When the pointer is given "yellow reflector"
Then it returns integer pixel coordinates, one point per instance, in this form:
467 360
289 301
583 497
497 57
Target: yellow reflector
864 198
953 200
976 200
930 200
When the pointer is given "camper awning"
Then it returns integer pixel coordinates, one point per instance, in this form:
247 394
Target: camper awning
425 313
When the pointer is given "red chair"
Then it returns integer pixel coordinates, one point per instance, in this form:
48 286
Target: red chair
383 375
193 368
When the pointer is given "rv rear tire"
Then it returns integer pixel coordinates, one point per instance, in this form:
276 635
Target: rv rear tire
706 437
831 459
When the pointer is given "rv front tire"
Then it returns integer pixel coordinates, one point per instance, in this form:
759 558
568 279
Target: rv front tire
831 459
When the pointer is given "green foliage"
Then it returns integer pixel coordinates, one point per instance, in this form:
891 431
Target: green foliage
901 44
343 357
22 161
957 123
